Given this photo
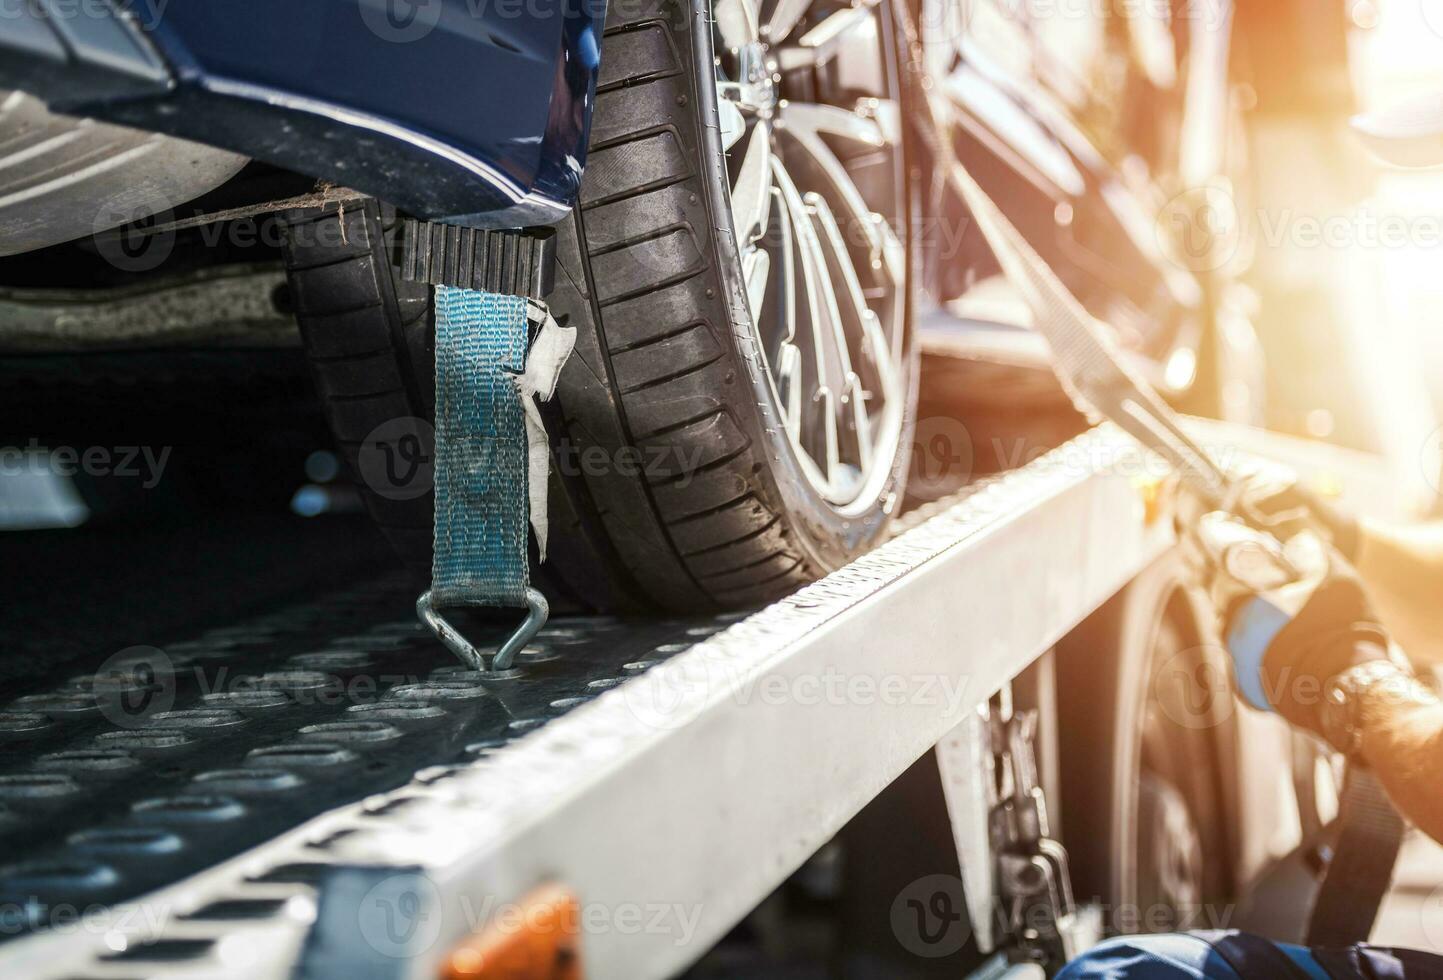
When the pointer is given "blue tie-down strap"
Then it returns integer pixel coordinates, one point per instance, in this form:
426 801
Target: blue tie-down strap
481 502
485 431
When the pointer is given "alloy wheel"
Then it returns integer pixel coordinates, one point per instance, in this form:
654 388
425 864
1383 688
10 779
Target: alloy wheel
808 102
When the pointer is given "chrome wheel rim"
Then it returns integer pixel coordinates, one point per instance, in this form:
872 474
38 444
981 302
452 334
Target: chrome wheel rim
811 128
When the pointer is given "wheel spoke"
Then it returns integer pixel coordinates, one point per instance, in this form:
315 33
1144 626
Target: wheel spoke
858 329
851 332
789 388
818 289
820 44
805 122
856 398
832 449
829 345
752 192
839 267
785 16
733 123
887 114
787 247
883 362
812 119
756 270
736 21
790 374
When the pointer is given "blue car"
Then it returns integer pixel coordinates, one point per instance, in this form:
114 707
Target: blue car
733 201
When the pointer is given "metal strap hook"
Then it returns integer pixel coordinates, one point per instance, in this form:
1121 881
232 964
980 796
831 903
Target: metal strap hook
537 611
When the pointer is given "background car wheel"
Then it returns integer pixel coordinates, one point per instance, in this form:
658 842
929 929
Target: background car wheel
1142 755
736 418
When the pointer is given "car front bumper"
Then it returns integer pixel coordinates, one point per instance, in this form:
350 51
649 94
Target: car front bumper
469 111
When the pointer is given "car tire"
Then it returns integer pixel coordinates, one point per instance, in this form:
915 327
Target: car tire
684 474
1142 764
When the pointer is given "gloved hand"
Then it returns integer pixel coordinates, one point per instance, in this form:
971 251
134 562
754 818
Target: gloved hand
1292 627
1276 499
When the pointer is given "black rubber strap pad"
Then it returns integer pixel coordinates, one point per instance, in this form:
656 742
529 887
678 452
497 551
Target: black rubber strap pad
513 263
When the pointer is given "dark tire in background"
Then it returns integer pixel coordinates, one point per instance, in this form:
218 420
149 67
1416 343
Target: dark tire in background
1144 813
701 460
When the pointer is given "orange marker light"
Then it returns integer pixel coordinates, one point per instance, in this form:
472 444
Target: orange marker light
1153 491
541 943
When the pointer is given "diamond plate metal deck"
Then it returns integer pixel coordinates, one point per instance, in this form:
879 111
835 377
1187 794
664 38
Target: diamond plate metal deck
671 774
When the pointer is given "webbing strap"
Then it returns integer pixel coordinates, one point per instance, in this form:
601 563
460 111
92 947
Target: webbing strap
1251 956
1379 963
481 456
1370 831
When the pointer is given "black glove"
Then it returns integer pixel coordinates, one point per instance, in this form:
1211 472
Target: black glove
1289 641
1335 629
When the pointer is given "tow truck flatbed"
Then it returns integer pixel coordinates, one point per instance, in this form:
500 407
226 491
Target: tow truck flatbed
666 775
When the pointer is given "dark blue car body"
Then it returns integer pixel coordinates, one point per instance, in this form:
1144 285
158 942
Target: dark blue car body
472 111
